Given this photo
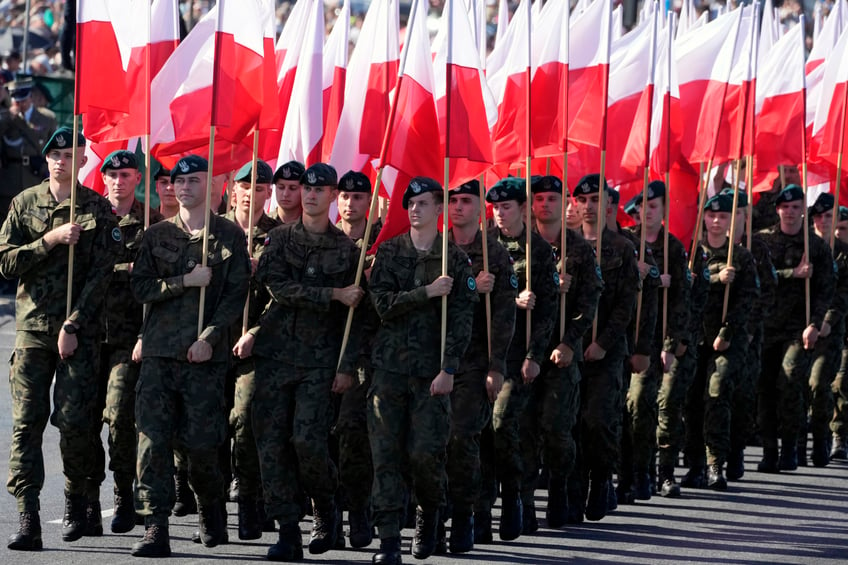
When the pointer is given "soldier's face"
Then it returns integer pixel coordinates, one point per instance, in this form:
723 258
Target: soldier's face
717 223
218 182
353 206
464 210
547 207
508 215
654 213
791 175
791 215
842 231
165 190
241 193
59 163
316 199
121 183
191 190
288 194
587 207
423 210
572 215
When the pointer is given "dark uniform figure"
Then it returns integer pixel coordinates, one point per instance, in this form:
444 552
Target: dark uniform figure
34 247
839 421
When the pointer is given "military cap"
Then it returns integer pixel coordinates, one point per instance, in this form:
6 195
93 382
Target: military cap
589 184
158 170
824 203
656 189
290 171
614 196
189 164
353 181
20 90
471 187
319 174
843 214
741 201
632 206
721 202
547 183
61 139
264 174
417 187
120 159
791 193
509 188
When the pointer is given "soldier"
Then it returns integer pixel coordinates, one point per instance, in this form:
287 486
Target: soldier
789 336
631 208
122 325
604 353
168 205
527 352
839 422
764 212
34 244
481 374
409 401
23 131
287 192
180 394
554 403
573 221
245 456
308 268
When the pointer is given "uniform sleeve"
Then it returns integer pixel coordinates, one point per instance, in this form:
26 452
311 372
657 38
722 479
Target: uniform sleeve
823 282
624 297
17 255
502 299
461 301
587 286
363 318
839 305
648 316
678 292
543 319
768 281
147 285
105 250
233 294
388 300
744 292
700 290
275 274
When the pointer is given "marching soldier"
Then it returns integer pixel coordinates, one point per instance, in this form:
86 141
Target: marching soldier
839 422
168 204
287 192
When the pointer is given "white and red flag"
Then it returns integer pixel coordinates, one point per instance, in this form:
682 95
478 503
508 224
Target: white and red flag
549 83
830 123
334 77
100 81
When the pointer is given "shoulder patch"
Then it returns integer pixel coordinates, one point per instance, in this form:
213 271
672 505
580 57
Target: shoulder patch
513 281
707 274
654 272
267 240
556 279
598 271
688 275
471 284
469 261
116 234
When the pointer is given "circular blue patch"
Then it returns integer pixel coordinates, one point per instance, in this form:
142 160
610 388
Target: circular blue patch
706 273
471 283
513 280
654 272
116 234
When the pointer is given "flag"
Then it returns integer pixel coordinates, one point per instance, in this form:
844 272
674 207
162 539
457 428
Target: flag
503 20
333 81
100 81
830 121
549 83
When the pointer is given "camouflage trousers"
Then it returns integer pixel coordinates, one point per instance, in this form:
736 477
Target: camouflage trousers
31 373
471 412
409 431
671 401
291 414
506 417
641 404
245 455
780 390
179 404
601 411
819 397
356 472
743 418
839 422
547 426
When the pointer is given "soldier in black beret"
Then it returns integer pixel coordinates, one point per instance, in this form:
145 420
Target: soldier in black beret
287 191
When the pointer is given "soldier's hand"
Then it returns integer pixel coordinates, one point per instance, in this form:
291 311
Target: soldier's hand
667 358
494 384
442 384
530 370
244 346
727 274
665 281
565 282
485 282
67 344
562 356
439 287
811 335
136 352
349 295
594 352
199 352
825 330
720 344
526 300
639 363
342 383
66 234
804 270
199 276
644 269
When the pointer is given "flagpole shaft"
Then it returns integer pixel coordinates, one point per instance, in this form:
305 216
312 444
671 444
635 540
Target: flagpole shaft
446 199
643 243
528 249
206 213
250 219
548 166
563 240
485 238
749 216
732 238
806 229
702 200
74 172
665 251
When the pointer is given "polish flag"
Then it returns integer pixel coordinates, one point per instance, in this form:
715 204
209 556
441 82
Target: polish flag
269 117
830 123
822 49
100 76
333 81
467 110
549 84
768 33
503 20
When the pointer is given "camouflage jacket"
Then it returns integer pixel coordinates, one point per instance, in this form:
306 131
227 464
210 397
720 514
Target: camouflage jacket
768 281
302 324
744 292
167 253
409 338
839 305
544 284
502 299
375 232
648 316
122 315
699 278
43 274
764 211
677 320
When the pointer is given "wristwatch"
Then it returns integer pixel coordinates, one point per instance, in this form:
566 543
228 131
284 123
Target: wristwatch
69 328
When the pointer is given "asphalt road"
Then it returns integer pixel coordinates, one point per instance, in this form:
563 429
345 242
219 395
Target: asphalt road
799 517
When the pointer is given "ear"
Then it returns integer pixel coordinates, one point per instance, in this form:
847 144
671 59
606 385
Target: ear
83 160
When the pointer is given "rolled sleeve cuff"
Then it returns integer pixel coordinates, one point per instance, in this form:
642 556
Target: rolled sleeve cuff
210 335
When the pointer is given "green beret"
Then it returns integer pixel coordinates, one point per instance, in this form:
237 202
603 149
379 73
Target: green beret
589 184
188 165
264 174
319 174
417 187
824 203
509 188
121 159
471 187
721 202
62 139
547 183
843 214
791 193
742 201
290 171
354 181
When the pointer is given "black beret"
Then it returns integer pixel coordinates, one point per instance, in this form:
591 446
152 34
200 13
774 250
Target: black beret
614 196
509 188
547 183
319 174
656 189
188 165
158 169
417 187
843 214
824 203
791 193
290 171
120 159
264 174
589 184
471 187
62 139
353 181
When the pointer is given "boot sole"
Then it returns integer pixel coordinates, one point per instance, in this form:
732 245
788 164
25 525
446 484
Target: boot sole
34 545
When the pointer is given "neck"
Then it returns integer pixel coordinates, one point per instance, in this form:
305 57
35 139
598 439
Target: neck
315 224
550 231
590 231
513 230
464 235
354 231
122 207
287 216
791 230
193 218
716 241
652 232
243 219
168 211
423 238
60 190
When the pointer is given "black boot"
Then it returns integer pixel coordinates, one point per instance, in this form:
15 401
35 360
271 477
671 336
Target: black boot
123 520
596 504
289 547
462 532
801 449
74 522
213 524
715 478
694 478
612 497
325 522
93 519
788 456
185 502
249 525
441 538
28 536
735 464
512 515
668 487
642 485
483 527
769 462
820 455
576 506
233 491
361 532
155 543
389 553
424 540
267 525
529 523
839 451
557 511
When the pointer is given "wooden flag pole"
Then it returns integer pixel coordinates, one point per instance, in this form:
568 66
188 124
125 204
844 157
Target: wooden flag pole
643 241
665 250
749 216
563 239
602 218
206 213
250 220
485 238
732 238
702 201
806 226
446 200
72 215
528 249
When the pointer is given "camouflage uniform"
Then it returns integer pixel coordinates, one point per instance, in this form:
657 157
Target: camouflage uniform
180 403
40 312
764 211
409 428
296 351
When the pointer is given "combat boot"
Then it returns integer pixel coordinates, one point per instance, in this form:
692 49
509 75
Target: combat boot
715 478
28 536
668 487
788 456
74 521
389 553
289 547
93 519
123 519
324 529
529 523
424 540
576 505
483 527
612 497
462 532
249 525
267 525
839 450
185 502
642 485
512 515
361 532
596 504
213 524
820 455
557 511
769 462
694 478
735 464
155 543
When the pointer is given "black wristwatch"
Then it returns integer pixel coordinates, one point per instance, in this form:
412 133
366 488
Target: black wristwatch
69 328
